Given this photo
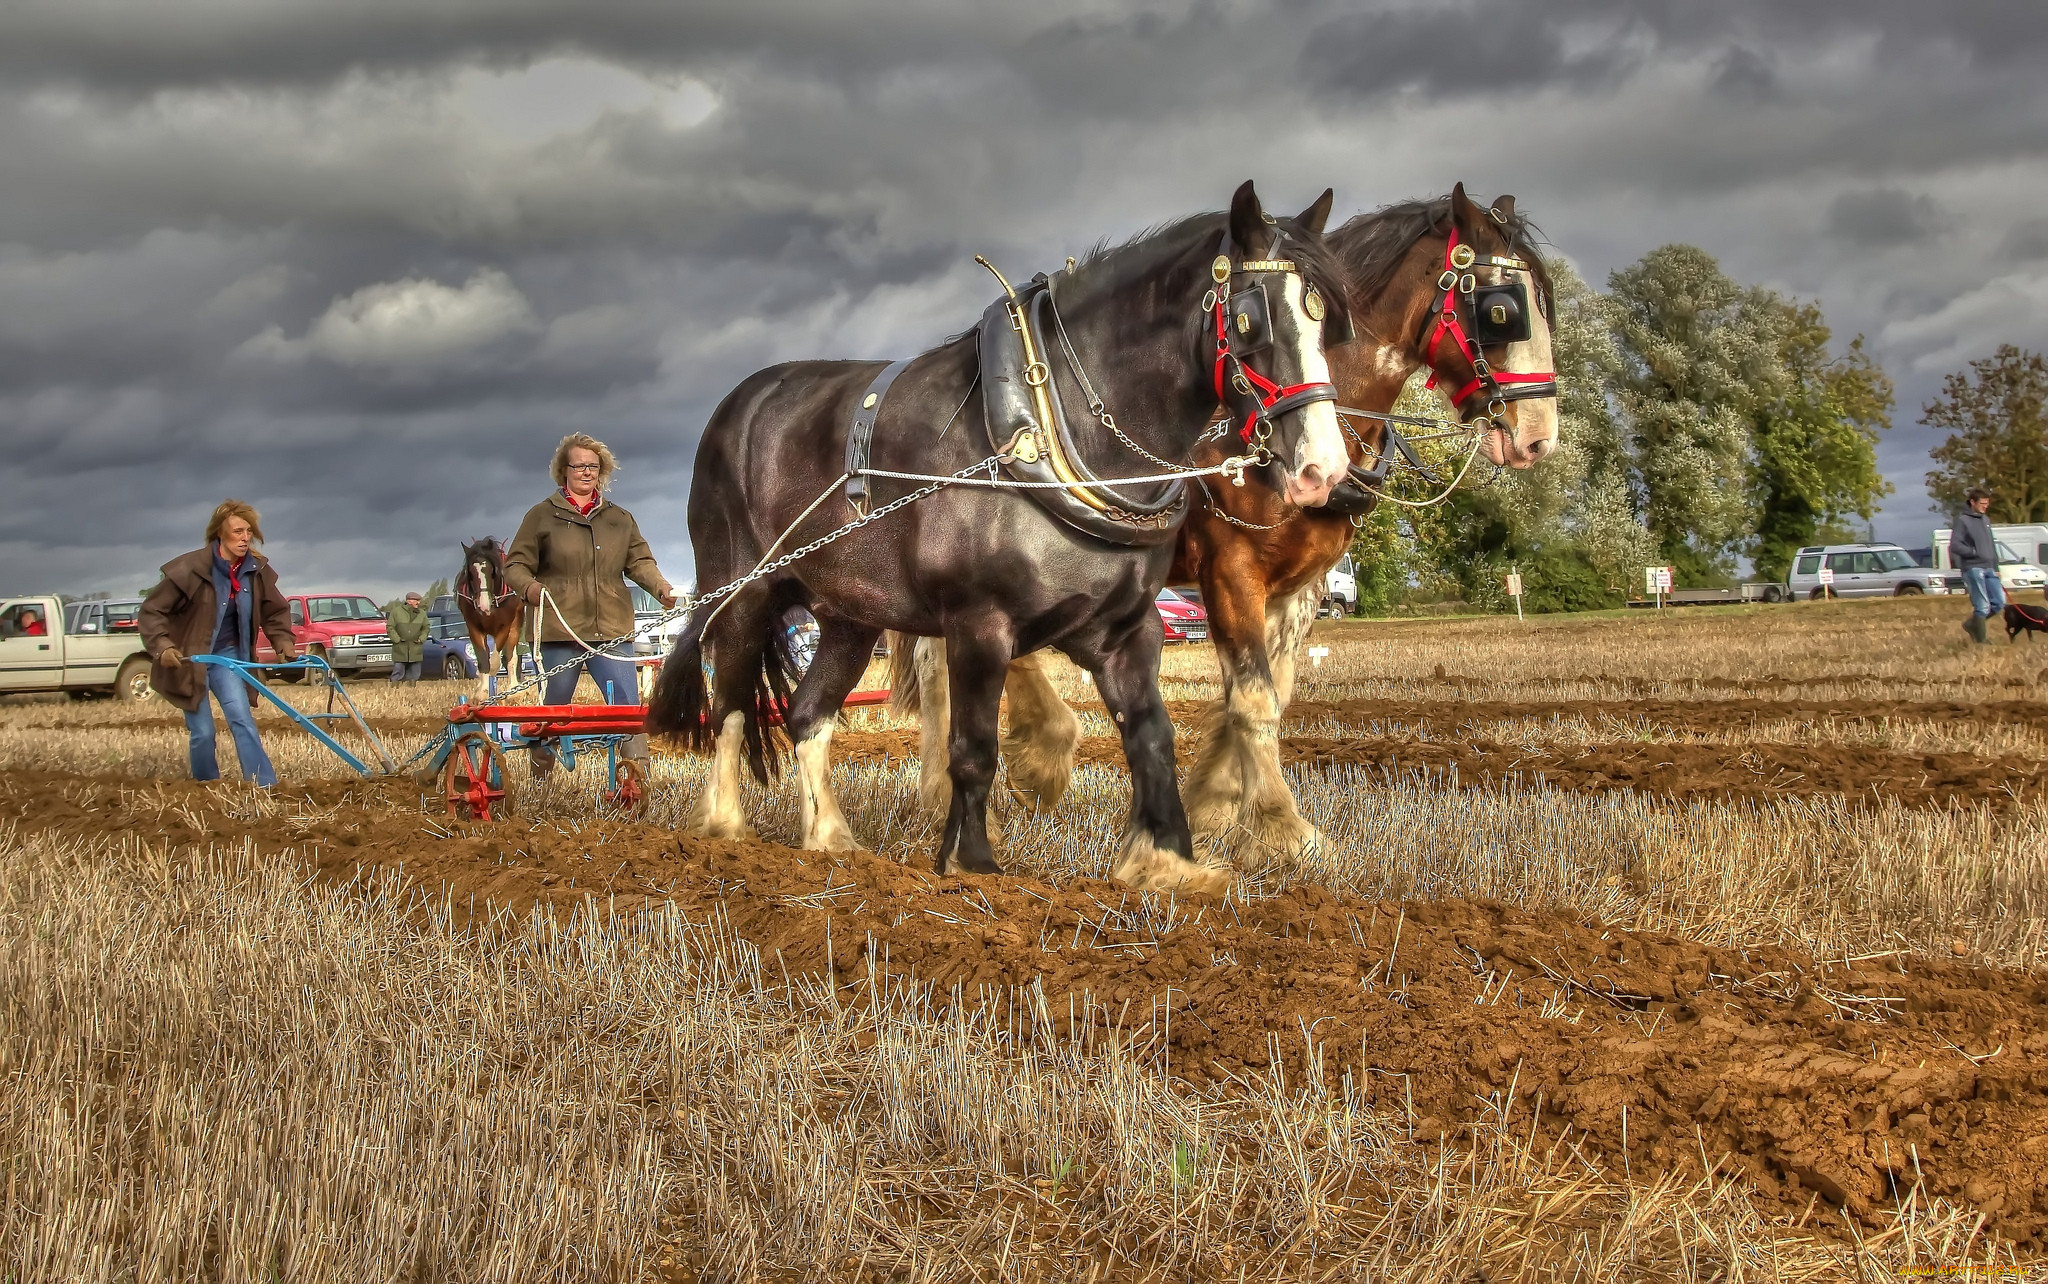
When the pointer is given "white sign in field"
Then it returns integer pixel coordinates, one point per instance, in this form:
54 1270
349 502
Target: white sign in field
1514 584
1316 654
1827 575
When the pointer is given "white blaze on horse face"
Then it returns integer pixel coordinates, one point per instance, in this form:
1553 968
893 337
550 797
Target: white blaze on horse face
1535 418
1320 460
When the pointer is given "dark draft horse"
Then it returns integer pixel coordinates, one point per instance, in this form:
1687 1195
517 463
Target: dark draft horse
491 612
992 571
1260 561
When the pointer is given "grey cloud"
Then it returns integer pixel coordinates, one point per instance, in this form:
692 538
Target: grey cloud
2027 241
1885 217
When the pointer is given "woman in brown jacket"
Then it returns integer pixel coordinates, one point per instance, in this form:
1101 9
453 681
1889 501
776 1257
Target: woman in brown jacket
581 549
211 602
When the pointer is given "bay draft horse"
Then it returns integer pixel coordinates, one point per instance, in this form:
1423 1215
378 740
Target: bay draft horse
491 612
1142 342
1260 561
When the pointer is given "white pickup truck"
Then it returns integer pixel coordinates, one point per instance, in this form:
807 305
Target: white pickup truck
86 649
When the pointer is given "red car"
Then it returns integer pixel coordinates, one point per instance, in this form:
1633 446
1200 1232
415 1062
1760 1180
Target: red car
345 629
1183 616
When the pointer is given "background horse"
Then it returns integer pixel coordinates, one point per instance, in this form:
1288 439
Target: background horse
491 612
1142 340
1260 561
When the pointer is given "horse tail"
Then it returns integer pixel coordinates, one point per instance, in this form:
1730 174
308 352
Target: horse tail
906 697
681 708
680 711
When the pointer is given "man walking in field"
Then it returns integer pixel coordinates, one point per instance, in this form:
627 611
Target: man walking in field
407 623
211 602
1973 550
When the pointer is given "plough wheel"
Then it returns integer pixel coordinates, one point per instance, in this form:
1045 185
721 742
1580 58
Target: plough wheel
472 761
629 789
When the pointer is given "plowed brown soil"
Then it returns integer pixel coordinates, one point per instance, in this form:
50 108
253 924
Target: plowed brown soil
1829 1082
1752 771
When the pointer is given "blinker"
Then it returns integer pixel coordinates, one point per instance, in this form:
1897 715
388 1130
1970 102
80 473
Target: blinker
1500 313
1252 319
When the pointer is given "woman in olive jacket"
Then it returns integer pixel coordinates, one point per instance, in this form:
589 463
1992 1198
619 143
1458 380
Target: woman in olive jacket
582 548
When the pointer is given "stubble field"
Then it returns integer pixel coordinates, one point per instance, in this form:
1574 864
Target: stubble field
1693 946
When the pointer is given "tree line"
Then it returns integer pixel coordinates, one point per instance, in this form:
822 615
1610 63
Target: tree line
1701 421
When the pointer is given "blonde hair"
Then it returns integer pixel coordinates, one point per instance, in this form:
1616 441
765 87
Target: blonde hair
607 463
233 508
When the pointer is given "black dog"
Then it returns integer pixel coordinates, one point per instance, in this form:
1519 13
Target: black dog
2031 619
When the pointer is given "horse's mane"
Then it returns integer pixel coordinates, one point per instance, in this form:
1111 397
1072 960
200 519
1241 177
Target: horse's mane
1109 265
1373 245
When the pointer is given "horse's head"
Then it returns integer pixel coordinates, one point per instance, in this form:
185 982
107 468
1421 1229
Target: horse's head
1277 293
483 570
1487 340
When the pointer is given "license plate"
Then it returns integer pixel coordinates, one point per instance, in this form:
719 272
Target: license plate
1197 635
378 657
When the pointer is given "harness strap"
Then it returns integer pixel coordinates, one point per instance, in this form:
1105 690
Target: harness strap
1484 377
860 433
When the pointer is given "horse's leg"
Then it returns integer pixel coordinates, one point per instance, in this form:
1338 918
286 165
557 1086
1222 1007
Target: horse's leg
1158 851
934 727
1216 784
737 640
1269 812
842 656
480 647
976 663
1237 778
1039 742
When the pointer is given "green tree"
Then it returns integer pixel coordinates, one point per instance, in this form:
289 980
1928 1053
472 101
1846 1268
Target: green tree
437 589
1698 355
1816 443
1996 435
1380 554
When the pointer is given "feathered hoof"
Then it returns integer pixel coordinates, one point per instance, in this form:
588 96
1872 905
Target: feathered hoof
1283 838
1154 869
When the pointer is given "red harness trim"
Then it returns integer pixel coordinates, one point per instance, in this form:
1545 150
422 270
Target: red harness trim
1447 323
1269 392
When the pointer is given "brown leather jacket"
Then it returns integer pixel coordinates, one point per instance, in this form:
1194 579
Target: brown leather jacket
584 563
181 611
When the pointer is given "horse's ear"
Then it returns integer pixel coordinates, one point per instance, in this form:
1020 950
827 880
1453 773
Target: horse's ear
1248 221
1504 210
1464 214
1317 216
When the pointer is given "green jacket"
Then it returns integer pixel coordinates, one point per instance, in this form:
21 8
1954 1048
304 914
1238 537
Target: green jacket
584 562
408 627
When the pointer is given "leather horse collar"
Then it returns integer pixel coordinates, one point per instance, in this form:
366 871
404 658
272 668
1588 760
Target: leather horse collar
1026 421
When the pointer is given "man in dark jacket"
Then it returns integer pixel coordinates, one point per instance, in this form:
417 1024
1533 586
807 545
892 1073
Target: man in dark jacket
1973 550
408 624
211 602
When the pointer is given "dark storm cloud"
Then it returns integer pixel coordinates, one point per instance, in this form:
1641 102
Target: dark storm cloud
363 264
1884 217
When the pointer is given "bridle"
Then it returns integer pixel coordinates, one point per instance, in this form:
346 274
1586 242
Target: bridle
467 592
1246 393
1500 314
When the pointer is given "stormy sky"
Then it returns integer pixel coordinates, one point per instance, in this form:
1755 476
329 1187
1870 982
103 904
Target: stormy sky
362 264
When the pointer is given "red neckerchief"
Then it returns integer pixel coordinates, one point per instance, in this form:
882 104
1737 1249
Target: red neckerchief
235 576
585 509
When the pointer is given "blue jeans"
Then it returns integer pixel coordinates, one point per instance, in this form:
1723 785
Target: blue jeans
613 675
603 669
408 671
1987 592
227 687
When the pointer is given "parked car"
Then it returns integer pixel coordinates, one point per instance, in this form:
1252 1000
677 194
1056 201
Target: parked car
87 649
345 629
447 653
1862 570
1185 620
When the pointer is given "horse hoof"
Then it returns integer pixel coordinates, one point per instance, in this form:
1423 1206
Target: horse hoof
960 863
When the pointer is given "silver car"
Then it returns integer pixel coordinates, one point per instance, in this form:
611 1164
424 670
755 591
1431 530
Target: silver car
1862 570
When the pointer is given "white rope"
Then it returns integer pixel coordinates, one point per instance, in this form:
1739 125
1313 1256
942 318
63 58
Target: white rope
1235 464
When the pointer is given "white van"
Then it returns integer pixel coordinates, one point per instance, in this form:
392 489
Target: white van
2022 556
1340 588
